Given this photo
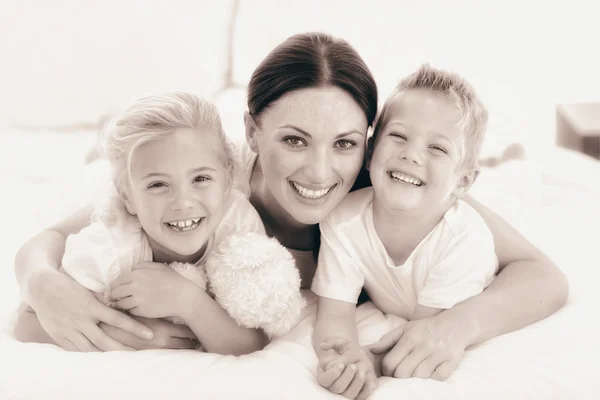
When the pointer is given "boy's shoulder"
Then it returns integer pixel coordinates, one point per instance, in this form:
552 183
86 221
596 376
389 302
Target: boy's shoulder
352 206
463 219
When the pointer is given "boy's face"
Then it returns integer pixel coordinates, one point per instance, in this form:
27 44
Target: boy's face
178 189
416 157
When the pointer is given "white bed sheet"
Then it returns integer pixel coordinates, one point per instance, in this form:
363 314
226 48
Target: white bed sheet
555 202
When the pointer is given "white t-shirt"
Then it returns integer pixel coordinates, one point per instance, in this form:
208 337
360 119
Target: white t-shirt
97 255
455 261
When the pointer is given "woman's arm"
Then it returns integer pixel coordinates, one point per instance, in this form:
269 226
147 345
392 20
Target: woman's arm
528 288
68 312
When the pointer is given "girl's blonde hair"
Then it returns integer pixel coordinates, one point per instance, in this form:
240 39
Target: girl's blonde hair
151 118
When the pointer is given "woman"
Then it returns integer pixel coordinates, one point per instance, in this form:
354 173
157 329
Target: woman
310 103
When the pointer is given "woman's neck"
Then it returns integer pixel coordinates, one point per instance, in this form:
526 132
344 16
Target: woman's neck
278 222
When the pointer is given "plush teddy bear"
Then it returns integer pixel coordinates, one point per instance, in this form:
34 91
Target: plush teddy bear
254 278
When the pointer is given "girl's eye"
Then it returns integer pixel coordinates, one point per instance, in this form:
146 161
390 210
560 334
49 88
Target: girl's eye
294 141
345 144
439 148
156 185
201 178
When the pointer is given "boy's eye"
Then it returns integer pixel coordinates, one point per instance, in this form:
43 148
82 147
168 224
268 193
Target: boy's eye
294 141
345 144
201 178
438 148
399 136
156 185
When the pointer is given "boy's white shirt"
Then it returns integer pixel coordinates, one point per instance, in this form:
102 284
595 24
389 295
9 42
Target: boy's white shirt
97 255
454 262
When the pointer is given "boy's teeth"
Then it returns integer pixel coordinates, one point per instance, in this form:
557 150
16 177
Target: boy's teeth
407 179
310 194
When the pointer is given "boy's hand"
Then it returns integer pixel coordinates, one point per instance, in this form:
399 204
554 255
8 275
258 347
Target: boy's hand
425 348
346 370
152 290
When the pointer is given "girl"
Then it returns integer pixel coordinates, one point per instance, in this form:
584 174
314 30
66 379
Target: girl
171 201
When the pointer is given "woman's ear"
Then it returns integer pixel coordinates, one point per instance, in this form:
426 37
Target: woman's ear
251 131
465 183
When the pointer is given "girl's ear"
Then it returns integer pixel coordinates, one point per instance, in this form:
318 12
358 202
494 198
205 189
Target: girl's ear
126 200
251 131
465 183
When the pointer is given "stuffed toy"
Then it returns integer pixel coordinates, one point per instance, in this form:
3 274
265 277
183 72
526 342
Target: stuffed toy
254 278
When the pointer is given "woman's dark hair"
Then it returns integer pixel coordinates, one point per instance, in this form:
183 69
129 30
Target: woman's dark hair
311 60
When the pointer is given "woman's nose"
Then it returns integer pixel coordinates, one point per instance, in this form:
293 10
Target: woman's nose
319 166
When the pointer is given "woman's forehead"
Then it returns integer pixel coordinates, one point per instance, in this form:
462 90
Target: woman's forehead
322 109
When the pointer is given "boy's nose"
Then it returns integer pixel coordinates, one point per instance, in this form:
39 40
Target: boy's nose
413 155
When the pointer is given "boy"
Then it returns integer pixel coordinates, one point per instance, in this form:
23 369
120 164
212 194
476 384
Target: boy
409 240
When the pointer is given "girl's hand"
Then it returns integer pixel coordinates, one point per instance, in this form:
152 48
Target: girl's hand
69 313
152 290
166 335
424 348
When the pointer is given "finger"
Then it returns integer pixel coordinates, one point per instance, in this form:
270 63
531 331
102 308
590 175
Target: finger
123 280
82 343
104 342
121 291
342 383
338 344
388 341
391 360
356 385
445 369
119 320
368 388
126 303
326 378
65 344
427 366
180 343
181 331
407 366
346 359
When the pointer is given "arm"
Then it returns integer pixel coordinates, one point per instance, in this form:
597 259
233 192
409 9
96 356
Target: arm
67 312
528 288
215 329
334 318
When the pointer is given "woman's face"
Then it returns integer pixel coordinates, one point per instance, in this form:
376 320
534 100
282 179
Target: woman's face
311 145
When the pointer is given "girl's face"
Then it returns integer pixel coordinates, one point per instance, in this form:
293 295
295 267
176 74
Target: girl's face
311 145
178 190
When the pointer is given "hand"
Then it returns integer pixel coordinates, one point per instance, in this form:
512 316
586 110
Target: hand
69 313
152 290
424 348
346 370
166 335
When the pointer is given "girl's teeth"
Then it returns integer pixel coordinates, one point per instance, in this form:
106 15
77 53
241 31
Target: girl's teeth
310 194
184 225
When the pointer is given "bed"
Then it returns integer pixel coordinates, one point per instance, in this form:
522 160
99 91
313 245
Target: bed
553 200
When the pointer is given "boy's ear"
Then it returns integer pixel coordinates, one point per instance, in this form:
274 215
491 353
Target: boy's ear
464 184
251 131
126 200
369 153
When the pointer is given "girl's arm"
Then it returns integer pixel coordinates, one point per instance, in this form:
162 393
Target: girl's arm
216 330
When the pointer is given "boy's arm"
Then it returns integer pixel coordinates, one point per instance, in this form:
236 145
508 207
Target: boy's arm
334 319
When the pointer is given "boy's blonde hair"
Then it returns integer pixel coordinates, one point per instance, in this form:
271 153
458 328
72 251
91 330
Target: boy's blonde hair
155 117
454 88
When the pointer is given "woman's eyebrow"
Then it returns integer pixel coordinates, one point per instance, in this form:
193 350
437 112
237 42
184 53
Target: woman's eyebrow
303 132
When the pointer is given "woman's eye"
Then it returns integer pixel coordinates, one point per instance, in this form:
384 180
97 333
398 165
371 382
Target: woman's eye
345 144
294 141
438 148
201 178
156 185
